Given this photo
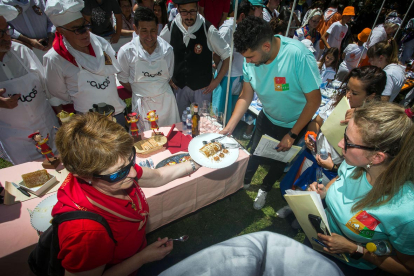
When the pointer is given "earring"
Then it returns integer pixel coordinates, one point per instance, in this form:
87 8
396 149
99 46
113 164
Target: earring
369 165
90 182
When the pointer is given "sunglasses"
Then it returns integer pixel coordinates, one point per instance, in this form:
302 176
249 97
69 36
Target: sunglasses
349 145
9 31
81 30
120 174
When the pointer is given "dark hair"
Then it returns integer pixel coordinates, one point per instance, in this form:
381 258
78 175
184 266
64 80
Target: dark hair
372 77
316 5
130 2
389 49
278 26
144 14
335 52
284 14
334 4
251 33
164 17
244 8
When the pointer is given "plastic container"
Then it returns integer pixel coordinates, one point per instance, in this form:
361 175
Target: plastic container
323 154
380 248
189 124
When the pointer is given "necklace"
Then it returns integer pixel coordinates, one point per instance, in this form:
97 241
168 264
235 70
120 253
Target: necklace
133 206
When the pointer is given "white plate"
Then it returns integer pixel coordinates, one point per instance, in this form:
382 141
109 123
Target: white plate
42 214
197 143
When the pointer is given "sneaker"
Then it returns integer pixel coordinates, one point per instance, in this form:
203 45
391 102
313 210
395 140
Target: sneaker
295 225
246 186
260 200
284 212
247 136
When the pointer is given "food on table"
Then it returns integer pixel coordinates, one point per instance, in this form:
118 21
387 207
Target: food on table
184 159
149 144
226 151
211 149
172 163
221 155
216 158
36 178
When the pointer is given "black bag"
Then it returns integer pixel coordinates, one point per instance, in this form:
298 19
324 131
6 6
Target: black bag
43 259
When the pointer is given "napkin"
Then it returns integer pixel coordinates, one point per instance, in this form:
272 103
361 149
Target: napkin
174 137
185 140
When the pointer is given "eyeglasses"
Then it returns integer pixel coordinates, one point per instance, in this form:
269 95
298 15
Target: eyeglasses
9 31
349 145
185 13
120 174
81 30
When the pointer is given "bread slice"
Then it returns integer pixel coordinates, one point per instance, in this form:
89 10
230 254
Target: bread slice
36 178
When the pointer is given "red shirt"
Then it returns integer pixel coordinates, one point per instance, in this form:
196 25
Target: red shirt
214 9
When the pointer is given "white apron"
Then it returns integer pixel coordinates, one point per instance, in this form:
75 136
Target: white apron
94 89
151 91
32 113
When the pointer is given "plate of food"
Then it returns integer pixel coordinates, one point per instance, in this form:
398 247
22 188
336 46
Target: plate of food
37 182
41 216
174 160
213 155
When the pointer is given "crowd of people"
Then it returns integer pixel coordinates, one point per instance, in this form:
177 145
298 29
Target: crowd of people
178 53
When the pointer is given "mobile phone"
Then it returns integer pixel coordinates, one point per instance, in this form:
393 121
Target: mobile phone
44 42
318 224
313 143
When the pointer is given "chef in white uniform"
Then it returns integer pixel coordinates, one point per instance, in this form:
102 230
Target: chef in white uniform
80 67
147 64
24 105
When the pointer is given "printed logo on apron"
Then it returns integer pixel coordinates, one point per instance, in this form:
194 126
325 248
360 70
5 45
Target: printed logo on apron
147 74
102 86
198 49
37 10
108 60
29 96
19 9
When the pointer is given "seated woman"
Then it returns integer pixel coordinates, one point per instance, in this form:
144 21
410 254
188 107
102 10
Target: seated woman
372 197
104 179
384 54
161 14
127 17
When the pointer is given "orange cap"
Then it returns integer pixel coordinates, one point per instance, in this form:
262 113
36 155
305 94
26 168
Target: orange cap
349 11
363 36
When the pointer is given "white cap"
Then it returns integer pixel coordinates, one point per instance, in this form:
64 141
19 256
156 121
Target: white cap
62 12
309 45
8 12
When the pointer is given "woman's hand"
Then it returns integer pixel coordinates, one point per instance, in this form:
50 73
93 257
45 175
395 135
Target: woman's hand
157 250
348 116
337 244
326 164
318 188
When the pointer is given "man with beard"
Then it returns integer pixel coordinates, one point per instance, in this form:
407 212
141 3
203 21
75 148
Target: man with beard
194 40
285 77
24 107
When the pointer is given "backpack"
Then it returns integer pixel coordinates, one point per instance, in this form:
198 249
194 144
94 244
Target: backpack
43 259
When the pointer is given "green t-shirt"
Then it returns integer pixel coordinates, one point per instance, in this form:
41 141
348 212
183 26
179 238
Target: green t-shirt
393 221
281 84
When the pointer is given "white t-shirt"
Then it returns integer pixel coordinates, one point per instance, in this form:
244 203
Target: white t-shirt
352 54
395 80
267 16
378 34
327 73
336 32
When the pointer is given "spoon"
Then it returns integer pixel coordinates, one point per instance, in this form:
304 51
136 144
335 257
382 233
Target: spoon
181 239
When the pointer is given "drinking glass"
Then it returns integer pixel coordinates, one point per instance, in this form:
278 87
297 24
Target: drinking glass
204 126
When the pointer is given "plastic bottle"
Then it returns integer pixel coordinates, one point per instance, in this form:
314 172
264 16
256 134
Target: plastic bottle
188 109
189 124
323 154
184 120
380 248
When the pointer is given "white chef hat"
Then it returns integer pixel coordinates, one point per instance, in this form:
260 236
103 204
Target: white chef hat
62 12
8 12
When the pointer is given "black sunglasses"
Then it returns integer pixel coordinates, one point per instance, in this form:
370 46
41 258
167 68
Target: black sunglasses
81 30
9 31
185 13
349 145
120 174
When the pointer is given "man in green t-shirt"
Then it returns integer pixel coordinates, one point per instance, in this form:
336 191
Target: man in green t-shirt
284 74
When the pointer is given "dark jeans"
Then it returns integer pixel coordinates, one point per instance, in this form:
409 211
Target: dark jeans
265 126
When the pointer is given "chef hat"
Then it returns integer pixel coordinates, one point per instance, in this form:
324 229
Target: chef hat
62 12
8 12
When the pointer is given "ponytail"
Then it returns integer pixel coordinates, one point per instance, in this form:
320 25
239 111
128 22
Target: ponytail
388 49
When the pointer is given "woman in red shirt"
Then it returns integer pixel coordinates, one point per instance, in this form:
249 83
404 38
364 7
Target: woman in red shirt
104 179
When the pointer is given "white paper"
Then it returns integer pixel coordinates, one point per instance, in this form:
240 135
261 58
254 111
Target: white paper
266 148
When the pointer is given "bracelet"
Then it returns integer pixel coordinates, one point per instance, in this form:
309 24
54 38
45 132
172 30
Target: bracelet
193 165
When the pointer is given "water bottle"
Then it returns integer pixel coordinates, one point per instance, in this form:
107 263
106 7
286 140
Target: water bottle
188 109
189 124
380 248
184 120
323 154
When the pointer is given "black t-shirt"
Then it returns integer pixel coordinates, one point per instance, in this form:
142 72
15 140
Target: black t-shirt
101 15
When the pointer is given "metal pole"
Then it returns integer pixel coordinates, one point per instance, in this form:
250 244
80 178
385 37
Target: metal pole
399 27
230 63
291 16
373 26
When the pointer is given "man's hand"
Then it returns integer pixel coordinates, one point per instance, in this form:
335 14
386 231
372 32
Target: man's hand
213 84
157 250
36 44
10 102
175 87
114 38
286 143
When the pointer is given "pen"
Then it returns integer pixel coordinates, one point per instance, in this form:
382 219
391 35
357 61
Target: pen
319 242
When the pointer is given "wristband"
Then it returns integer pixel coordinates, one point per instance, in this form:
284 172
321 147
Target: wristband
358 253
193 165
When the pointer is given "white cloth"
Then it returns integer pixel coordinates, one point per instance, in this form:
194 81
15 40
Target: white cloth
62 12
327 73
8 12
24 76
352 55
32 22
378 34
336 32
267 16
395 80
149 77
309 15
62 75
214 41
256 254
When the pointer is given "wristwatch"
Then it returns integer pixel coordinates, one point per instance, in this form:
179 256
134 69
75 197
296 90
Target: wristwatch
292 135
358 253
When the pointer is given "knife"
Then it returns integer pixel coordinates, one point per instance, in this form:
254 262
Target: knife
21 189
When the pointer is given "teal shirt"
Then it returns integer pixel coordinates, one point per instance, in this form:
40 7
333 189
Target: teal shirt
393 221
282 84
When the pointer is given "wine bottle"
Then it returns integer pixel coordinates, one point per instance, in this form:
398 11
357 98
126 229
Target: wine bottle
195 120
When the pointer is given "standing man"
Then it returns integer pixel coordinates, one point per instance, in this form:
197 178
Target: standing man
147 64
285 77
194 40
24 104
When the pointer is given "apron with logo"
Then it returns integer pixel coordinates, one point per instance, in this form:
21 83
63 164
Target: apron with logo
32 113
